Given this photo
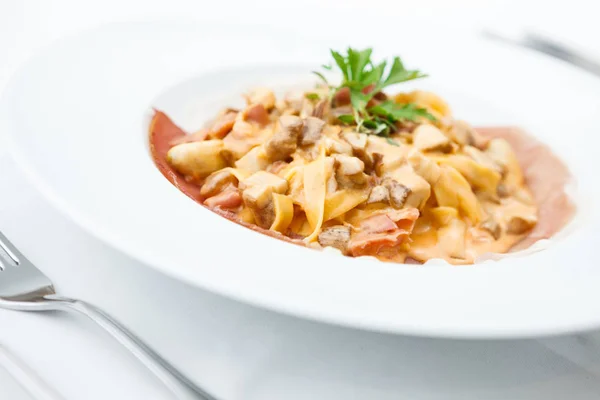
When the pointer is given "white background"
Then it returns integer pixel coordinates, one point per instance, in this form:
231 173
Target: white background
233 350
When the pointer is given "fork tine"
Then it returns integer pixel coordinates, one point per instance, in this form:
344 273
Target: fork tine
11 250
26 288
20 279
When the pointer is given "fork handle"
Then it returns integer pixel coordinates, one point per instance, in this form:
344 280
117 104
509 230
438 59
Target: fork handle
178 384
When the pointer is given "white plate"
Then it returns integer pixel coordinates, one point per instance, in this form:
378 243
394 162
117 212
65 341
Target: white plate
76 116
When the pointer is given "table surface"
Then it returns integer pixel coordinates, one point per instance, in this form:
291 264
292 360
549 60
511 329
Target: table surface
234 350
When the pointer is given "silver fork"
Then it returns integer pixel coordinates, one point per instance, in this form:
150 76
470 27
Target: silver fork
546 46
23 287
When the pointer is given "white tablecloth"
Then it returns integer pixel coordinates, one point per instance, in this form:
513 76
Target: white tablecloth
236 351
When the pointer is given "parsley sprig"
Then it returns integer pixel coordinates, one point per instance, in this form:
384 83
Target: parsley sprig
364 80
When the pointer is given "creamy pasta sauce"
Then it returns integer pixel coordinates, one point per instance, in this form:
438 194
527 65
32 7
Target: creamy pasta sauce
433 188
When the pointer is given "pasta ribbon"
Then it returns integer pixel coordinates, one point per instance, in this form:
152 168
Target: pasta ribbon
434 103
284 212
502 153
443 215
315 189
295 177
478 175
453 190
343 201
255 160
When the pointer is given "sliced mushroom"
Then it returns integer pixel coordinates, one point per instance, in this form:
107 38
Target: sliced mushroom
358 141
258 200
217 181
349 172
336 236
333 146
356 181
520 224
379 194
322 108
430 138
420 190
376 165
502 190
464 134
424 166
347 165
398 192
284 142
492 227
333 142
257 191
311 131
461 132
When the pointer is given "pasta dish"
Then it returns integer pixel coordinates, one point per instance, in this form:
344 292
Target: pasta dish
369 173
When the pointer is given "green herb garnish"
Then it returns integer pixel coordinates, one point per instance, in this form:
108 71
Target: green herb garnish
364 80
392 142
321 76
312 96
347 119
